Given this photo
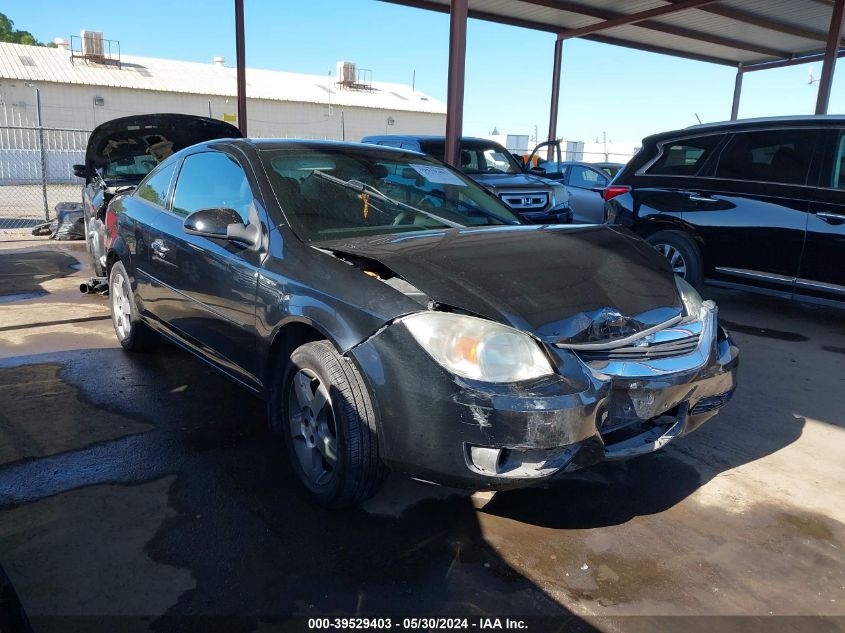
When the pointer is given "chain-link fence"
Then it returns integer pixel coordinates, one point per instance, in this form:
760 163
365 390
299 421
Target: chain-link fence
36 173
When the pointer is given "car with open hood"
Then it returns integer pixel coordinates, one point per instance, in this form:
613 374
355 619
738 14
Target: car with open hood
120 152
389 311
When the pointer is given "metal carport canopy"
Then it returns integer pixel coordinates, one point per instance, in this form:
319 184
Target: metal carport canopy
746 34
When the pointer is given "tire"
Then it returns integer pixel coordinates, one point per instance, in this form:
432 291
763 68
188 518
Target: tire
134 335
682 253
99 270
331 438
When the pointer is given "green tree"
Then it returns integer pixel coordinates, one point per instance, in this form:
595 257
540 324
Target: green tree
8 33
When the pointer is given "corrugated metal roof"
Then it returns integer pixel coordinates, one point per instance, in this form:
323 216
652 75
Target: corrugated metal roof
729 32
42 64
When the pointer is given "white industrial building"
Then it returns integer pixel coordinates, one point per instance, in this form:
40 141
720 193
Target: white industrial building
80 91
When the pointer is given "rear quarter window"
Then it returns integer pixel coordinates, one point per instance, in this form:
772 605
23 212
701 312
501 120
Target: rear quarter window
777 156
684 157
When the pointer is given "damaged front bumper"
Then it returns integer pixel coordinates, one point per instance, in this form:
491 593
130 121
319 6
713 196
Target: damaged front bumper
441 428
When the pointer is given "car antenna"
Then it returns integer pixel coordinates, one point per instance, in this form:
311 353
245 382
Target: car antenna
698 117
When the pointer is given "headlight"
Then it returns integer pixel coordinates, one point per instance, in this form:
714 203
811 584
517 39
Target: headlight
689 295
478 349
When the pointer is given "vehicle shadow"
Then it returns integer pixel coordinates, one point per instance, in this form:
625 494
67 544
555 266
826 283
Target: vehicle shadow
256 546
613 493
23 273
258 549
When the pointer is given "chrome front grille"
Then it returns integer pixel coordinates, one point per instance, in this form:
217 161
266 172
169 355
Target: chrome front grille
666 349
679 346
525 200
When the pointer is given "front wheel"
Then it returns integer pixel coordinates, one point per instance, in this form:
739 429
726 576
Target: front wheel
326 416
681 253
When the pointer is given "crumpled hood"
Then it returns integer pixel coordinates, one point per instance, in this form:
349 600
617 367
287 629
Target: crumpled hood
511 181
564 284
133 135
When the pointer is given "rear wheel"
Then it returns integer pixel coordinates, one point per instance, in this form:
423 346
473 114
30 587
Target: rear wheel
681 253
325 414
134 335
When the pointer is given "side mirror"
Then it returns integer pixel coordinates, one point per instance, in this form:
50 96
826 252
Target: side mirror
220 224
79 171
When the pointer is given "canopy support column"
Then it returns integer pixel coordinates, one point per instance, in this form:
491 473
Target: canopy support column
555 102
737 93
241 53
830 54
457 70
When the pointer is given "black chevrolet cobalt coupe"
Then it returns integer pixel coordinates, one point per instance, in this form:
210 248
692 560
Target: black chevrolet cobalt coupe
394 314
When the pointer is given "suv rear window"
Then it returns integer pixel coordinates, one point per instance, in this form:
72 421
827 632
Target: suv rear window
781 156
684 157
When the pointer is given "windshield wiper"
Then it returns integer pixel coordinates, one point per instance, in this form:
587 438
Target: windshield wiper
362 187
467 205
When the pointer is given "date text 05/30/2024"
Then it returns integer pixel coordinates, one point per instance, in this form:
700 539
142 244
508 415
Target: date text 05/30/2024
414 624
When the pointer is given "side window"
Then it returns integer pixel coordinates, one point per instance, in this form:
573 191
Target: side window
212 180
434 148
586 178
684 157
154 187
471 160
837 179
771 156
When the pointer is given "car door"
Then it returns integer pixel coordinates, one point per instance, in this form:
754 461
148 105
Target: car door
822 273
585 185
209 284
754 204
664 188
147 203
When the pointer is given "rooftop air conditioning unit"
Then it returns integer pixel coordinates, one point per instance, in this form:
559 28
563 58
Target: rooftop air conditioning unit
346 73
92 43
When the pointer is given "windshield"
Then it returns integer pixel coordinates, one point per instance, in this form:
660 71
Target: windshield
477 157
319 191
130 167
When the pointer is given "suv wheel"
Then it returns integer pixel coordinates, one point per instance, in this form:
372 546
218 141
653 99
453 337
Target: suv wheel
681 253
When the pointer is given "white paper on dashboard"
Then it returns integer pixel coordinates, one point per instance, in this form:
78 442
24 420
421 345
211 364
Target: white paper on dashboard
438 175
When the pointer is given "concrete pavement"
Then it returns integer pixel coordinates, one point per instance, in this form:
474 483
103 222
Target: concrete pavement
147 486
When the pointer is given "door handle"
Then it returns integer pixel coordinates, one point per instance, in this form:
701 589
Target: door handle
694 197
159 248
831 218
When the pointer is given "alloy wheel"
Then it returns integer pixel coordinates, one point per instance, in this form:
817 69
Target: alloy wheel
121 307
312 426
675 258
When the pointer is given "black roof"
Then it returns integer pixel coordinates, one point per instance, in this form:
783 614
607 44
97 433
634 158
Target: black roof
285 143
741 124
423 137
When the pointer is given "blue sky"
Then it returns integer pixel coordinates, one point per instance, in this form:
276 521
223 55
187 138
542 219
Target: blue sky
626 93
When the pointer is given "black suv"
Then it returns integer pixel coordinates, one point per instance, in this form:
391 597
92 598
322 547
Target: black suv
756 204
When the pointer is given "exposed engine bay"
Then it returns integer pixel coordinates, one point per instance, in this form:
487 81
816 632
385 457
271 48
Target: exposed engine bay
120 154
